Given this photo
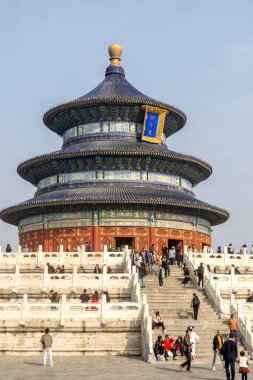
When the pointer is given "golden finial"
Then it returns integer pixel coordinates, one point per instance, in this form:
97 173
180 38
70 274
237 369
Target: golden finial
115 51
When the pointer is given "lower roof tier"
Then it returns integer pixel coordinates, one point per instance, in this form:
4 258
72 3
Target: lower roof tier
115 155
145 198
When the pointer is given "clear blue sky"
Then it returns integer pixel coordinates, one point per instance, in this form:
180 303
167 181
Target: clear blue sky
196 55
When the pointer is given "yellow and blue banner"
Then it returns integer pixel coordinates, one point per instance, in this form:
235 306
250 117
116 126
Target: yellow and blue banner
153 124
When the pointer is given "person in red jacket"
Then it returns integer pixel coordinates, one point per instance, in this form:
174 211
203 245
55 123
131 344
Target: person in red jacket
168 346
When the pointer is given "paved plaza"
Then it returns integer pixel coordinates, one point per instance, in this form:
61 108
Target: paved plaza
113 368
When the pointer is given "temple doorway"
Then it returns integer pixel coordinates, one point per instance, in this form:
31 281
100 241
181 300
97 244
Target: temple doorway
174 243
122 241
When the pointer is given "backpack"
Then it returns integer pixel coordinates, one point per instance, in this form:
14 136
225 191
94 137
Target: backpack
195 301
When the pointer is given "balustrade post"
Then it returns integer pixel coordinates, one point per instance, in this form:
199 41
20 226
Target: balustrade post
232 270
16 277
19 249
144 298
103 308
239 309
245 256
45 277
40 254
133 269
105 255
63 309
82 254
24 309
185 249
61 255
75 281
225 251
104 277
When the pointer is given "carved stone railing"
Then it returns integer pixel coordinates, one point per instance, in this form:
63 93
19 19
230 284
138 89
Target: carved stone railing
72 280
65 258
64 310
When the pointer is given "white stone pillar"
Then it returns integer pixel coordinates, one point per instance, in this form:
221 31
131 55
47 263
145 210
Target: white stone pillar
16 277
24 310
232 269
144 298
105 255
75 281
185 249
45 278
104 277
225 250
63 309
40 254
61 255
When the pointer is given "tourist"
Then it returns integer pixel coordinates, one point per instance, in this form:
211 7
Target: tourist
109 270
195 303
142 274
172 255
164 249
150 261
217 344
250 298
186 276
229 353
97 269
47 341
236 270
50 269
194 339
95 297
54 296
219 250
161 276
187 352
107 297
159 348
8 248
157 321
84 297
177 257
181 257
168 347
87 247
200 275
165 264
243 365
231 249
179 345
78 248
233 326
62 269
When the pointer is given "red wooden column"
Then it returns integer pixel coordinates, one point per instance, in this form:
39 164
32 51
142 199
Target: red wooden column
96 239
46 240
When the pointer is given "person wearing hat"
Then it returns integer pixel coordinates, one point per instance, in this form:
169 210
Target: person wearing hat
194 340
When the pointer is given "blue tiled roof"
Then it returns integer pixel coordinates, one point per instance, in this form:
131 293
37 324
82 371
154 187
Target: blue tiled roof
116 195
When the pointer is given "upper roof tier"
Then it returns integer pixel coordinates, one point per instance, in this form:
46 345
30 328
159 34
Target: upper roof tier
113 91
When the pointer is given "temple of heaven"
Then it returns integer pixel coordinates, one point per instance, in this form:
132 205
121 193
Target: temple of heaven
114 182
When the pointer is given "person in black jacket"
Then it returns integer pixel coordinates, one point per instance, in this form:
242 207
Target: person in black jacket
217 344
158 347
187 352
229 353
195 303
200 274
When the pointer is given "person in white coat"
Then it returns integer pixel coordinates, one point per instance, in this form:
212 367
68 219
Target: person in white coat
194 338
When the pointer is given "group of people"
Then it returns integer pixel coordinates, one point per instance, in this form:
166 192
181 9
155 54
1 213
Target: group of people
84 297
60 269
147 258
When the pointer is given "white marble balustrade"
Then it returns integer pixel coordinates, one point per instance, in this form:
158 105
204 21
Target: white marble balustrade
72 280
62 311
65 258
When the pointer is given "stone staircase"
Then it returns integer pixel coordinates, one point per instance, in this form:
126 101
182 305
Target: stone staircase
173 302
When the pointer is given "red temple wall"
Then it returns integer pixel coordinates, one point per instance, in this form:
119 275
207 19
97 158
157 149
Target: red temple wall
97 237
